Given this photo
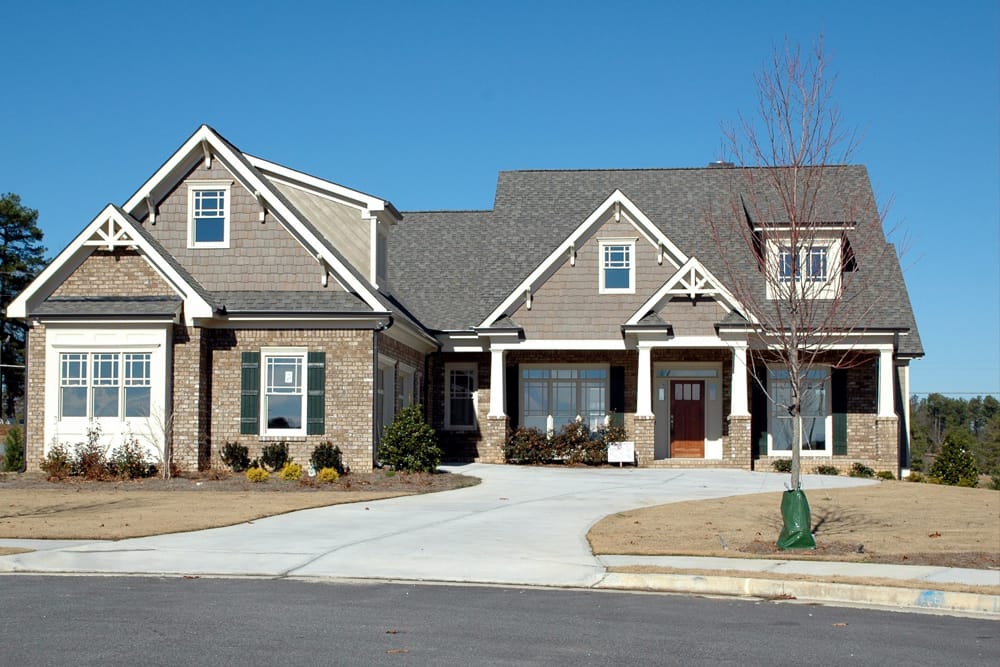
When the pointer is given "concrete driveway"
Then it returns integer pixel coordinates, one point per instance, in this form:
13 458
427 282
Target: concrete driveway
522 525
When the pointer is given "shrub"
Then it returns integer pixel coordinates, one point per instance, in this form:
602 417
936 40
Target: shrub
58 463
886 474
128 461
327 455
995 478
257 475
782 465
409 443
327 475
956 464
827 470
528 445
236 456
291 472
572 440
915 476
90 458
14 446
861 470
275 456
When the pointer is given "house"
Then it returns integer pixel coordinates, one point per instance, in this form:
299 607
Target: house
235 299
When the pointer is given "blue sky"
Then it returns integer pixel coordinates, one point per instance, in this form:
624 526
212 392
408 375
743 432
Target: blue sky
423 102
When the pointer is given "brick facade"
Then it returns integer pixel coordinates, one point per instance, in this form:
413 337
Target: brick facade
120 272
34 389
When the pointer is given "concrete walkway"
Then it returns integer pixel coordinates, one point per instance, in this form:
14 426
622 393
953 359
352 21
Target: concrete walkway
522 525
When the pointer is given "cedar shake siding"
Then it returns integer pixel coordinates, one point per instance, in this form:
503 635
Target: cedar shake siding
260 256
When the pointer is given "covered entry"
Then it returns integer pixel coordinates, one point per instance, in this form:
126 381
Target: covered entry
687 404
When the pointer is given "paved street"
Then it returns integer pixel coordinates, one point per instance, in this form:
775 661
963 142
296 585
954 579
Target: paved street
177 621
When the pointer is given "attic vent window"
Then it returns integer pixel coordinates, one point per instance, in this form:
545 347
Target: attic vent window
208 206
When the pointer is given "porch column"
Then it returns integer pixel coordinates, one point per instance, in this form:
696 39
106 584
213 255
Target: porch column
886 396
644 391
738 390
497 391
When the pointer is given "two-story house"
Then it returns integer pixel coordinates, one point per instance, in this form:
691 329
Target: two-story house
235 299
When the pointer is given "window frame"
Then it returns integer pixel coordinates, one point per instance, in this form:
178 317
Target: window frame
787 268
473 370
301 354
604 247
89 379
205 186
826 416
580 398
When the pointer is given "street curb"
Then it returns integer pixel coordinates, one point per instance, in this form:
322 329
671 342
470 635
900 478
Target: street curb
888 596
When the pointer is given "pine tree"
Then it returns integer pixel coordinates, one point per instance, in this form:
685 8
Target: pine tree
22 256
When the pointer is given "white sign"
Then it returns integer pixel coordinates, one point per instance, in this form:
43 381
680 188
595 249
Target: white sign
621 452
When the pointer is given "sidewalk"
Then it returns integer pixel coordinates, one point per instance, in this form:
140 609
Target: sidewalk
520 527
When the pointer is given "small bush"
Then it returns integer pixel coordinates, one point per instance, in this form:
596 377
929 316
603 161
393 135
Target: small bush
995 478
327 475
782 465
58 463
327 455
956 464
572 438
861 470
14 446
128 461
257 475
528 445
827 470
409 443
275 456
291 472
915 476
886 474
90 459
236 456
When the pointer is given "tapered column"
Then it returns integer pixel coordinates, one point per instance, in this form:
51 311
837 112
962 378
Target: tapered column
644 395
738 391
886 396
497 391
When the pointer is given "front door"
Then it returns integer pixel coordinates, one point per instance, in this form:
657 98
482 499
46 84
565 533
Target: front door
687 419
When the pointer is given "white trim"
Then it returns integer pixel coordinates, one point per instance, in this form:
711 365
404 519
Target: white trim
463 366
616 201
270 352
77 252
194 187
696 280
602 268
497 383
556 344
550 424
819 290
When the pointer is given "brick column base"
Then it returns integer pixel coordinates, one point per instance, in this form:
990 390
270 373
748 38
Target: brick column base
644 434
494 437
736 447
887 442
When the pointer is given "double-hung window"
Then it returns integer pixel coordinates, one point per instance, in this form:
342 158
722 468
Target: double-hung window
100 385
555 396
208 206
815 409
617 267
284 408
460 396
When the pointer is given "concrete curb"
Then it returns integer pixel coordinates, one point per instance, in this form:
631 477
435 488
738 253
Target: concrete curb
887 596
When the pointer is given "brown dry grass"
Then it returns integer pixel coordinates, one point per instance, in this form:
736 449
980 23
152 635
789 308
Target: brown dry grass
896 522
31 507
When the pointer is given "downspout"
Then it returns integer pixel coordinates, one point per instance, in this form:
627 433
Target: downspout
375 406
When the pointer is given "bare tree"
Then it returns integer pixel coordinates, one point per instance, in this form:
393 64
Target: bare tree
800 236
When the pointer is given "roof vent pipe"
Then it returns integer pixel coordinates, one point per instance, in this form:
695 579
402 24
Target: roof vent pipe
720 164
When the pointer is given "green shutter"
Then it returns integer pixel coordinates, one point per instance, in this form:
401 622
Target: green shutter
250 394
838 399
759 408
316 394
511 388
616 395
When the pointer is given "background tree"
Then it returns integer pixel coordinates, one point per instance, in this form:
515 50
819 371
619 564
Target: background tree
800 236
933 417
22 256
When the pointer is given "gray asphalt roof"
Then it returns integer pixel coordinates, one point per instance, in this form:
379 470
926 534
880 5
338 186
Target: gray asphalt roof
107 306
319 302
455 267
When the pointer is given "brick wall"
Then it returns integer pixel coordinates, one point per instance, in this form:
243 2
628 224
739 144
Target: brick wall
120 272
34 431
348 390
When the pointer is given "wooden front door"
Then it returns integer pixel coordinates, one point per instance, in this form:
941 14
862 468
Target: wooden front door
687 419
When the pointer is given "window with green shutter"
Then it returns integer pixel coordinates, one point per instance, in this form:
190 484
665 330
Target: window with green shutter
316 394
250 394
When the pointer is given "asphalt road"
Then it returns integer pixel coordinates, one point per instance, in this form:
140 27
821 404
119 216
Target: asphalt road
59 620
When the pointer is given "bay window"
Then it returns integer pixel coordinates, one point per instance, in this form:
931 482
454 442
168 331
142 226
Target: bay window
95 385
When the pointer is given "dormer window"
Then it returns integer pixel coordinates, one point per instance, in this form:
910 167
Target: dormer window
617 266
208 207
807 267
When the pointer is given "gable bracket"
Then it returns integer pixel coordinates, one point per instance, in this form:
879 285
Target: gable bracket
527 297
263 206
110 235
208 154
572 255
151 207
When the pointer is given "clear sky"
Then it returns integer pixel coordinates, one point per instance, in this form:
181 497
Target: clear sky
423 102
